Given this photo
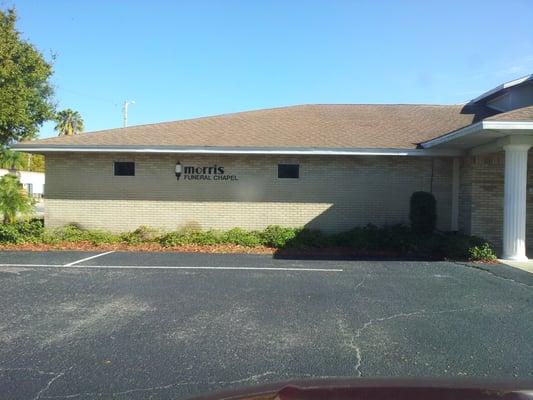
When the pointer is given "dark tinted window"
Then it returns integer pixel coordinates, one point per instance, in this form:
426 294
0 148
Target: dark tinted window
288 171
124 168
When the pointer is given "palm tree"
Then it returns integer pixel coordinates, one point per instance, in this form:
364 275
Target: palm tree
12 160
68 122
13 199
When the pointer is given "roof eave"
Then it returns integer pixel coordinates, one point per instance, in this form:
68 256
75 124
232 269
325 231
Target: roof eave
43 149
510 127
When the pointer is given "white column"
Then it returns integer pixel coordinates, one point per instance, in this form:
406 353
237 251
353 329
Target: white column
514 202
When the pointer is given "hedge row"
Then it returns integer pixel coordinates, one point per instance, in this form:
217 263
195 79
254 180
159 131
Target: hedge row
395 239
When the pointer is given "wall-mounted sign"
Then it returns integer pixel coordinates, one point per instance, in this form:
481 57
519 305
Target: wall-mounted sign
203 173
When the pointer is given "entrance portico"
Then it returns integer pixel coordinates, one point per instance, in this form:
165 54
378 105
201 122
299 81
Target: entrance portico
515 139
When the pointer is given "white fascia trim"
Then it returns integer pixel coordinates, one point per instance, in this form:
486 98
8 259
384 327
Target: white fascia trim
478 127
508 125
273 151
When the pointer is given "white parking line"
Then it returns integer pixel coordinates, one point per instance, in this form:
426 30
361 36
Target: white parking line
174 267
87 258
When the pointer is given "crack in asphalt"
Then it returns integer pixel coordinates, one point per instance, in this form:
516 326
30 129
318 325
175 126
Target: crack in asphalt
39 395
479 268
352 338
44 389
352 342
29 369
359 284
252 378
148 389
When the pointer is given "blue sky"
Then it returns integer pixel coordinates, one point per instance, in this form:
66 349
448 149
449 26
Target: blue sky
184 59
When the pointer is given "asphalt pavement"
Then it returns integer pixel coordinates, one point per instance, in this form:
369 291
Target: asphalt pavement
168 326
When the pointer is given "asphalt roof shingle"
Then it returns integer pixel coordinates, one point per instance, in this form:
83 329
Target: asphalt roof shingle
520 114
306 126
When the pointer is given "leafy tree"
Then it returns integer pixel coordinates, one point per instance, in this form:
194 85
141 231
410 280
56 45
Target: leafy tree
21 161
26 95
12 159
14 199
69 122
35 162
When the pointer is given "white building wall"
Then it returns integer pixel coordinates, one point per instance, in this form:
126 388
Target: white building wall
36 179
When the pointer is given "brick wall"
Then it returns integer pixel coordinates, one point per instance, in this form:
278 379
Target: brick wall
465 195
333 193
481 198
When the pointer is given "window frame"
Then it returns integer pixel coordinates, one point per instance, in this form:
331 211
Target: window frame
123 162
291 169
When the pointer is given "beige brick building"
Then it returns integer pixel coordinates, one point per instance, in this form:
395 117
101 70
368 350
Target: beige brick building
329 167
332 193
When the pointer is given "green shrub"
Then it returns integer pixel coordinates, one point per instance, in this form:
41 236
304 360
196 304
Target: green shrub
209 237
423 212
10 234
431 246
242 237
97 237
142 234
310 238
455 246
67 233
395 239
73 233
22 232
366 237
172 239
30 231
180 238
452 245
278 236
352 238
484 252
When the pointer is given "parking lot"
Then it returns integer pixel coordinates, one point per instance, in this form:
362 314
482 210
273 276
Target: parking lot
166 325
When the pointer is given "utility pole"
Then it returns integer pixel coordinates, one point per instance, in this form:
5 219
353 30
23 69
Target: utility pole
125 111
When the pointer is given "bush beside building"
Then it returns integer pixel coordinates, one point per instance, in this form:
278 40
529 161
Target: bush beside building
369 240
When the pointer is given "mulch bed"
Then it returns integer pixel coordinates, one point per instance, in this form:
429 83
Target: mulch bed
144 247
317 253
333 252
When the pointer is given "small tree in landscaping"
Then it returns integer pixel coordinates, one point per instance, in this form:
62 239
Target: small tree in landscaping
423 212
13 199
12 160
